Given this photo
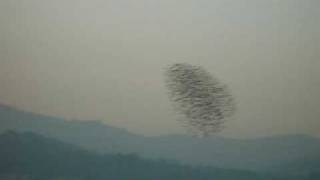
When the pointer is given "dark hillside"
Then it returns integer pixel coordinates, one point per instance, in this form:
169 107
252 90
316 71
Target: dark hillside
33 157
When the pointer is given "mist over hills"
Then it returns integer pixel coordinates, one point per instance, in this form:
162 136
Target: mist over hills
29 156
263 154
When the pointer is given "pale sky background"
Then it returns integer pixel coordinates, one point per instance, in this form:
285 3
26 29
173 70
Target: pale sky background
105 59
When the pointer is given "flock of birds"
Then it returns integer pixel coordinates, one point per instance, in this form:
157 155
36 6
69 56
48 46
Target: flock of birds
204 102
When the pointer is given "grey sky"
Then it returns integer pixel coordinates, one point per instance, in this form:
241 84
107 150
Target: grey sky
105 59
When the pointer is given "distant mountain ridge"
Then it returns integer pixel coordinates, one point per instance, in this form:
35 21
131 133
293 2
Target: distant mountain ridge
255 154
29 156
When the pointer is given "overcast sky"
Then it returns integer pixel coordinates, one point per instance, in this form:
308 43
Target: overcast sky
105 59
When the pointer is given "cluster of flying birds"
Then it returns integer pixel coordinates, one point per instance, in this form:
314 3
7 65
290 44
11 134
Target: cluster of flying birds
204 102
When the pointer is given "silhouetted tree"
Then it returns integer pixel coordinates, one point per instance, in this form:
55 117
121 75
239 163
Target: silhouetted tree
201 98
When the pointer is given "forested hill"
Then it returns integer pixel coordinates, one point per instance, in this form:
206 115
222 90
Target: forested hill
28 156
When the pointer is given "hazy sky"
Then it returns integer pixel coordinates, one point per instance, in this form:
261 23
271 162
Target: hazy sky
105 59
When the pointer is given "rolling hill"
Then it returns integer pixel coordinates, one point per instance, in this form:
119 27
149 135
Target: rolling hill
263 154
29 156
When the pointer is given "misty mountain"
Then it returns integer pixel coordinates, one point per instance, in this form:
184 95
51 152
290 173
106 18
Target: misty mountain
28 156
89 134
263 154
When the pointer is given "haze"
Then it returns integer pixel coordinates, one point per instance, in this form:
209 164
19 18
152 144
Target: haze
105 60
